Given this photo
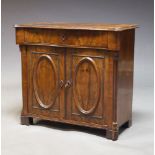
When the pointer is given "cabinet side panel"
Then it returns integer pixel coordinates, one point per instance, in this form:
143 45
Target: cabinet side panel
125 76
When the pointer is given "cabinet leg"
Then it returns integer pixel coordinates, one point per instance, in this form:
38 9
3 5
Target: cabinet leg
26 120
128 124
113 132
113 135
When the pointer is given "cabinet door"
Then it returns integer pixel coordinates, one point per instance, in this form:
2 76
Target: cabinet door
46 80
85 86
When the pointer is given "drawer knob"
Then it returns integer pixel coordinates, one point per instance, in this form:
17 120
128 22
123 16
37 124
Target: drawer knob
63 38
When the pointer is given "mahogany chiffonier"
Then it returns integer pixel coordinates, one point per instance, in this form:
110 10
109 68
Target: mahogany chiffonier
78 73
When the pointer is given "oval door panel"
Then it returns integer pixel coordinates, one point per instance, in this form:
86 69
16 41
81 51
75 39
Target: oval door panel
44 81
86 85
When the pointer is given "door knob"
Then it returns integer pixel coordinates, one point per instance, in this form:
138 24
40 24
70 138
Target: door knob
68 84
61 83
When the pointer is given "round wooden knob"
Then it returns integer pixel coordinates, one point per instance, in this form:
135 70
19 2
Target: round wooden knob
68 84
63 38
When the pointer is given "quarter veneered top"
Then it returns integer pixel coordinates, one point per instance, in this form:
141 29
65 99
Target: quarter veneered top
80 26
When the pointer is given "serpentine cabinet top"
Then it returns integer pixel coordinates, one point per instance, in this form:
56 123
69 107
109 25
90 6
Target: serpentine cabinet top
80 26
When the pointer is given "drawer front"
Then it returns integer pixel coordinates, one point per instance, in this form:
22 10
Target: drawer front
77 38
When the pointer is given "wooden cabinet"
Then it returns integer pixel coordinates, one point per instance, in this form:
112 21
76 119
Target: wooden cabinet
79 74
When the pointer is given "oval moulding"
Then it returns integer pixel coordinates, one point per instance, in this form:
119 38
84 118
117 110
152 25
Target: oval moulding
44 81
86 85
